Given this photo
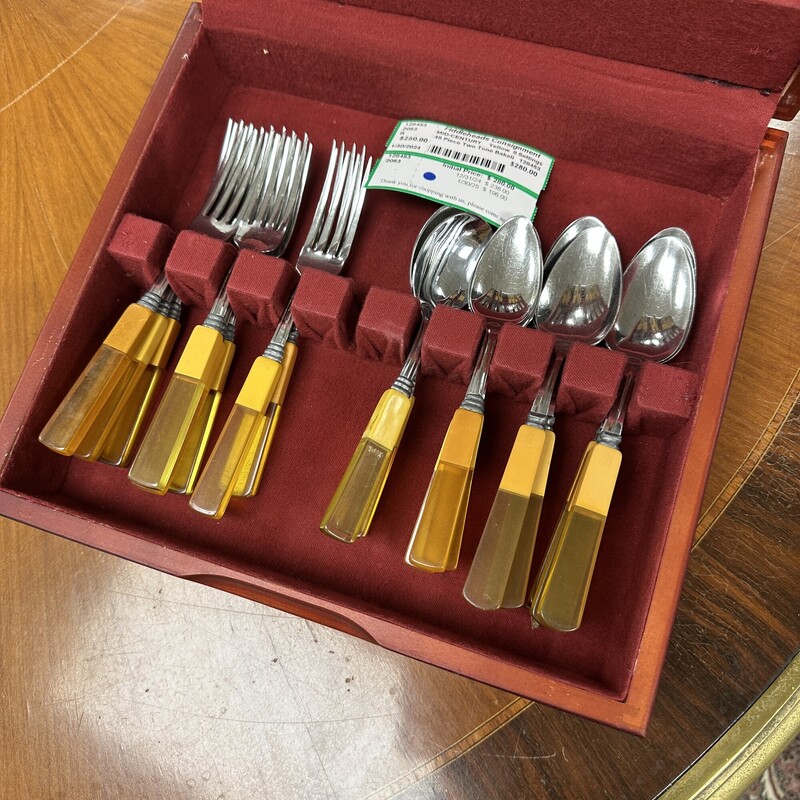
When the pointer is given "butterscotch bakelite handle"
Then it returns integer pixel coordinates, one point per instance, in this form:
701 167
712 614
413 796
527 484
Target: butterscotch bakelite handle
85 400
218 478
123 435
505 550
154 464
517 586
252 469
436 541
162 333
355 500
187 468
562 585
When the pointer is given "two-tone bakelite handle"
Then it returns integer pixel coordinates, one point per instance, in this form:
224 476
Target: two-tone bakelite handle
122 436
498 576
559 594
436 542
199 364
136 330
355 500
252 469
218 478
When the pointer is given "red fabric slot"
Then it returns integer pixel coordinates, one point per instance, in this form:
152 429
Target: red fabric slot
520 362
386 324
662 400
324 308
589 382
451 343
196 266
141 246
259 287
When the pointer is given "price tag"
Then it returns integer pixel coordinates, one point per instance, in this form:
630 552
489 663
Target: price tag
494 178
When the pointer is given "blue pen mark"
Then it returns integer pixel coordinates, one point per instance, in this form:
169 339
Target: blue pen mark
429 176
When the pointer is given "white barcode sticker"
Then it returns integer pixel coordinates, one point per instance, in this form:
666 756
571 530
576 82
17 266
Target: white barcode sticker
492 177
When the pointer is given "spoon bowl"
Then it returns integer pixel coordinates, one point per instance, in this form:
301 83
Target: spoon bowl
653 323
443 260
577 303
504 288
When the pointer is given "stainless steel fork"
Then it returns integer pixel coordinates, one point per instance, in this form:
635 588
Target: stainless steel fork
242 443
261 177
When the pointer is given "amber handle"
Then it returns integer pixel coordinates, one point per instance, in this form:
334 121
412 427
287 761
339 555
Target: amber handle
121 435
187 468
215 485
154 464
355 500
252 469
134 332
517 586
506 547
562 585
436 541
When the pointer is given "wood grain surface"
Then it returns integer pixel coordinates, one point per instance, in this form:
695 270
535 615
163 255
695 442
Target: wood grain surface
120 682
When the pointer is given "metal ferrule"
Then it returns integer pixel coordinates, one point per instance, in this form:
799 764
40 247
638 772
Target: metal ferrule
475 398
610 432
543 413
406 381
283 333
156 294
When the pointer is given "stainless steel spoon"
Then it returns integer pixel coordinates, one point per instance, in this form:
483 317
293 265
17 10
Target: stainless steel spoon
441 268
504 288
653 323
578 302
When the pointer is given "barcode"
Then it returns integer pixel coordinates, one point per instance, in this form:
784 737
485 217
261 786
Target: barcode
467 158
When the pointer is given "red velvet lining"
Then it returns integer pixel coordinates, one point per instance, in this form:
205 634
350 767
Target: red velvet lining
749 42
141 246
196 267
589 382
259 287
334 390
385 325
451 344
520 362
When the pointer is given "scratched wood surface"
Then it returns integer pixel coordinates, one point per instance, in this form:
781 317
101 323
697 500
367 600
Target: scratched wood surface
119 682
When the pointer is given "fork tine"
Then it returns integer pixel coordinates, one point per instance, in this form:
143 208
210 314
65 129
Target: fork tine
288 164
350 189
234 205
254 184
266 184
297 184
236 173
231 147
338 188
323 199
355 211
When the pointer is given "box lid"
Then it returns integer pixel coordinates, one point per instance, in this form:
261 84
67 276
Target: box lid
752 43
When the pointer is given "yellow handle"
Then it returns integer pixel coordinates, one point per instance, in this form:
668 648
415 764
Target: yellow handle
121 440
215 486
252 469
353 505
93 441
504 533
153 465
436 541
516 588
84 401
559 594
199 365
122 434
187 468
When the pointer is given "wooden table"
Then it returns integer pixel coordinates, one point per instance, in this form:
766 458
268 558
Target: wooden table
117 681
